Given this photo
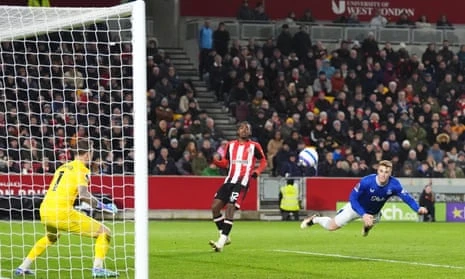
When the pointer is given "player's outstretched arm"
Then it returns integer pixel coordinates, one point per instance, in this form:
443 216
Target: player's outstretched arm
86 196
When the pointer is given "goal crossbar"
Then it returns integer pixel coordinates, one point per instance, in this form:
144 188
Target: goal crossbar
21 22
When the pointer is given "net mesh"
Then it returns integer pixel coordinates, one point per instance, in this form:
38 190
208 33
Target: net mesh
65 74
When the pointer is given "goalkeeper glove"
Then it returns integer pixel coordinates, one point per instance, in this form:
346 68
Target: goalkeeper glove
107 207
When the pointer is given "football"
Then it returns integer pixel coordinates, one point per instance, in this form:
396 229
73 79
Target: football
308 157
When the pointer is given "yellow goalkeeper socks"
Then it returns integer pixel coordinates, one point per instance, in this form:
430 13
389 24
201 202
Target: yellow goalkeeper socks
39 248
102 244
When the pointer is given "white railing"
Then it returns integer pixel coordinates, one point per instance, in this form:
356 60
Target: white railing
329 32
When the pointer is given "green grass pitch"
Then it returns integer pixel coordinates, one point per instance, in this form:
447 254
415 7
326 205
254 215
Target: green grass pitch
179 249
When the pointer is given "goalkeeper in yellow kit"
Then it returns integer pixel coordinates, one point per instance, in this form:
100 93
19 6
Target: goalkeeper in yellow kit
57 212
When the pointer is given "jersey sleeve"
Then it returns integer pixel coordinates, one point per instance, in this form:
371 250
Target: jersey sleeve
83 177
354 197
406 197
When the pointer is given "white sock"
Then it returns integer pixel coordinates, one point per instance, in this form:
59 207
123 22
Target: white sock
98 263
322 221
221 241
26 264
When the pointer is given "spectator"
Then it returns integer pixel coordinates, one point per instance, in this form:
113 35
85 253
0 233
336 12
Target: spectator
307 17
452 171
244 12
443 23
290 168
183 165
205 41
291 18
221 39
353 20
211 170
427 200
404 21
301 42
199 163
378 21
259 12
284 40
422 22
164 164
370 46
273 146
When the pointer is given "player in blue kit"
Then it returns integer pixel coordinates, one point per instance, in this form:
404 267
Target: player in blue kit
366 200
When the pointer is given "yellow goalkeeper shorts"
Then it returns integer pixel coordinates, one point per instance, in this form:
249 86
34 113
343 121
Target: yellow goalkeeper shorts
71 221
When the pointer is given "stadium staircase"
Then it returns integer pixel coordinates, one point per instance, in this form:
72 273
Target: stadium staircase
206 98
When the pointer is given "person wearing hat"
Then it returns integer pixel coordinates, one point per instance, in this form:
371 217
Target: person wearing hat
174 149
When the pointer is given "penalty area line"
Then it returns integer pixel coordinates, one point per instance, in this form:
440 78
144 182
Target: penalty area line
368 259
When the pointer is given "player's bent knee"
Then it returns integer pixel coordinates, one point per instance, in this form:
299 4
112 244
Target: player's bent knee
333 226
104 229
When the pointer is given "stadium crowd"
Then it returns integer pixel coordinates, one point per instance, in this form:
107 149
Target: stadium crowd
357 104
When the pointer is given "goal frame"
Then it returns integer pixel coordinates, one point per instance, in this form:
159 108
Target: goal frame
136 10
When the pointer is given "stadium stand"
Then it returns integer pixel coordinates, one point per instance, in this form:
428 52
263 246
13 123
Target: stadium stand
357 102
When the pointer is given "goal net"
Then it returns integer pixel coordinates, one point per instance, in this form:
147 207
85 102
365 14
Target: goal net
66 74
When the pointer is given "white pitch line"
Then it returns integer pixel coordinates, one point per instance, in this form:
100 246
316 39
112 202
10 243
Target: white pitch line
369 259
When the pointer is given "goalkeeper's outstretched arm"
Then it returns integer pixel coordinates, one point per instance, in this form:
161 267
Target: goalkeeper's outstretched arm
86 196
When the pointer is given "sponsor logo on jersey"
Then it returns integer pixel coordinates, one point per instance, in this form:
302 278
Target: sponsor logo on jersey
377 199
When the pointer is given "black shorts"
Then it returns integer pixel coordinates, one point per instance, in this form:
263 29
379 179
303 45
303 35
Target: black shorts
231 193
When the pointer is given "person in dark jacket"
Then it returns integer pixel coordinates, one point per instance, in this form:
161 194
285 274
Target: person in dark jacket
428 200
301 42
284 41
244 12
221 39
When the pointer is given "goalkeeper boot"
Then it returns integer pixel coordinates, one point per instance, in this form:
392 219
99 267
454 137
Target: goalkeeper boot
23 272
307 222
103 273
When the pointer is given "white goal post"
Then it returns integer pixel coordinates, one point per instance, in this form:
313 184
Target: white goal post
65 74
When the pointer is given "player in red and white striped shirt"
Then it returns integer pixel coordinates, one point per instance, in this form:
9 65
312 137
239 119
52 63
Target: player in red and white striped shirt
240 158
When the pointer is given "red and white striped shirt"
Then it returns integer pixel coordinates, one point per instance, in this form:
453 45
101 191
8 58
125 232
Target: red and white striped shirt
241 157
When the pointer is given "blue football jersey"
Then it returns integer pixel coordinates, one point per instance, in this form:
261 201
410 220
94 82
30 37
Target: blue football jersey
368 197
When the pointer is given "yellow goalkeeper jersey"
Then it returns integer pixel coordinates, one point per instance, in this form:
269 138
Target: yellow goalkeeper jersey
64 186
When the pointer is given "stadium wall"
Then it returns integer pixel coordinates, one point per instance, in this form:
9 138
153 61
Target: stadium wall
196 193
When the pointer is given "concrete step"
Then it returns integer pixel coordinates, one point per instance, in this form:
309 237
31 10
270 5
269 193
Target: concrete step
180 59
213 110
176 55
173 50
206 100
186 72
205 94
208 106
183 63
199 83
184 67
223 122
